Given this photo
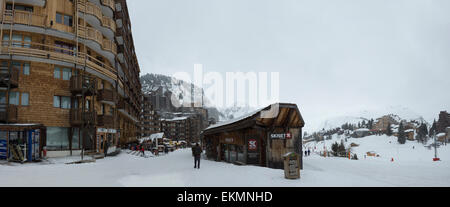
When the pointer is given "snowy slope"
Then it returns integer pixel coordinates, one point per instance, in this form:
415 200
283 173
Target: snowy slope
385 146
176 170
397 112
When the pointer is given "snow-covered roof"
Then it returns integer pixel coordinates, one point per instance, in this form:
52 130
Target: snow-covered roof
152 137
234 120
409 130
176 119
362 130
440 135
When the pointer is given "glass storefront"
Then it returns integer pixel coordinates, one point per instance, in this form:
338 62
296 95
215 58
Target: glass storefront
232 153
57 138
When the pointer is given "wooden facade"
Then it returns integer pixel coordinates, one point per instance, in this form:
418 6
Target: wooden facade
61 68
260 138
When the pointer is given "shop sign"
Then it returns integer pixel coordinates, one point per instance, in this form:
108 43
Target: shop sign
229 140
281 136
252 145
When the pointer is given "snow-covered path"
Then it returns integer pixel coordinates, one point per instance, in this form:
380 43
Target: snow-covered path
176 169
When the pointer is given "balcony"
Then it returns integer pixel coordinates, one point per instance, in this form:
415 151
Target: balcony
8 114
106 121
106 95
9 78
80 85
79 118
109 3
23 17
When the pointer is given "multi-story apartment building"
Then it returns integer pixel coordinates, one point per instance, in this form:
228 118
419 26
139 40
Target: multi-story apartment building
150 122
70 66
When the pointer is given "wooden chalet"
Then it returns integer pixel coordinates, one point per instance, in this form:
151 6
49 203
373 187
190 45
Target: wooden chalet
259 138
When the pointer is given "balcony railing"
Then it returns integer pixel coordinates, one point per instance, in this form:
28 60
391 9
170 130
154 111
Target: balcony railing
8 114
37 50
83 85
109 3
106 95
106 121
10 78
31 19
78 117
90 8
24 17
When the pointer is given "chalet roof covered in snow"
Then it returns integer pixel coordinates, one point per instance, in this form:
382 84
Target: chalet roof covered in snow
275 114
152 137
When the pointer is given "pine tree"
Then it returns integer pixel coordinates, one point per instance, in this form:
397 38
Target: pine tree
389 130
342 150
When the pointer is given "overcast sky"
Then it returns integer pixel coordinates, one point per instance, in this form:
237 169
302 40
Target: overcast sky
334 56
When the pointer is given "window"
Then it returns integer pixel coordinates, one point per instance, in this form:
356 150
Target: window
26 68
62 102
65 102
57 73
25 99
56 102
67 73
63 47
68 20
17 40
59 18
27 41
57 138
5 40
19 7
64 19
2 97
14 98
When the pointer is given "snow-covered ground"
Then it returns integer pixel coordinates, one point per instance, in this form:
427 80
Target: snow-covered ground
176 169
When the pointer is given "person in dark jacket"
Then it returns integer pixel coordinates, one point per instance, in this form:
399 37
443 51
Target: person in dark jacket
197 152
106 148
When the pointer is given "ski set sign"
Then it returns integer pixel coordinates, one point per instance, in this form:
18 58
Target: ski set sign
281 136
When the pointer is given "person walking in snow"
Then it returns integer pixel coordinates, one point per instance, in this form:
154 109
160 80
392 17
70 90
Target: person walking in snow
197 152
306 153
309 152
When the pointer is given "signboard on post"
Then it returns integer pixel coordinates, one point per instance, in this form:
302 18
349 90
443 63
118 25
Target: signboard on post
281 136
252 145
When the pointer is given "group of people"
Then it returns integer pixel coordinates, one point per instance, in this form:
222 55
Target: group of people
307 152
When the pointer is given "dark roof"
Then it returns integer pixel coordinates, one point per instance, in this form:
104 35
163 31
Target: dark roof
286 115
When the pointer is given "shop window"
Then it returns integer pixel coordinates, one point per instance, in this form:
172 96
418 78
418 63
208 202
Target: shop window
25 99
240 154
57 138
76 138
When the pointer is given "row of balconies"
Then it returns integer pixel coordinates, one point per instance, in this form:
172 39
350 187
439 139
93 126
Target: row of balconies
8 114
88 86
92 9
78 118
9 78
30 19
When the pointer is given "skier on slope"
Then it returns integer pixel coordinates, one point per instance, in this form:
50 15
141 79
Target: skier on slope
197 152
